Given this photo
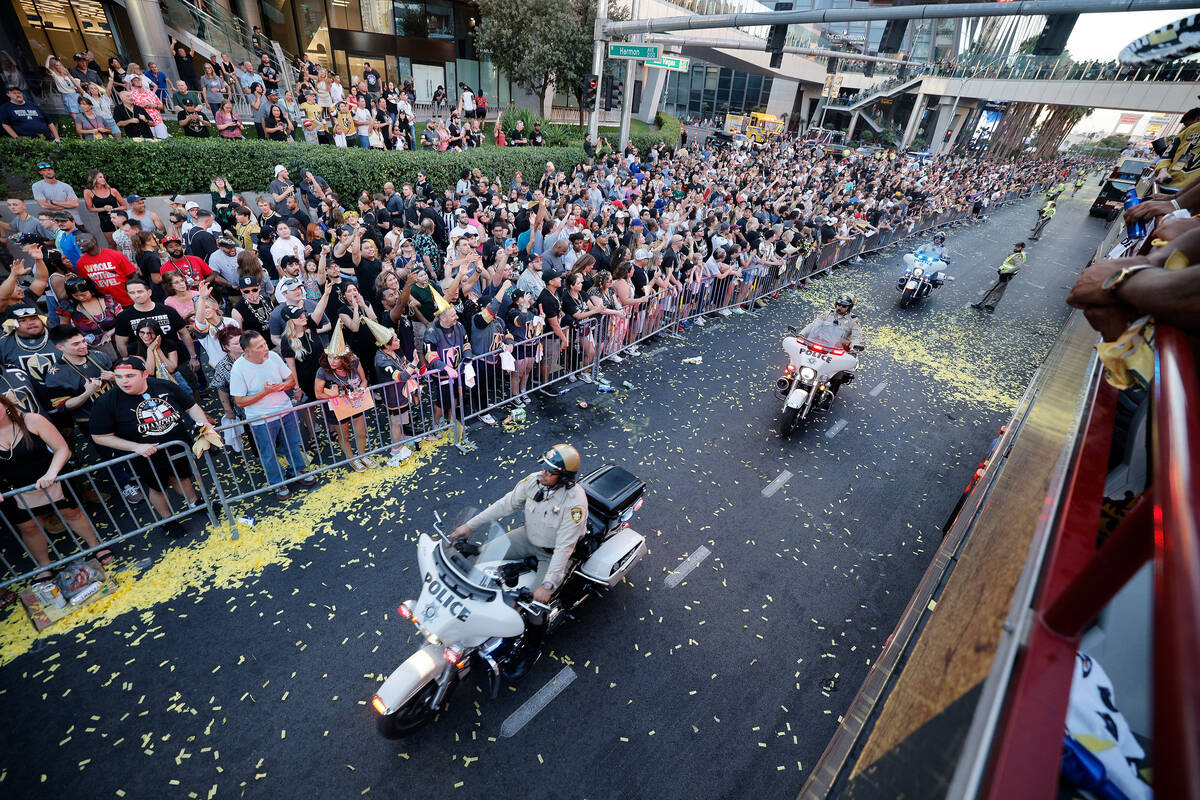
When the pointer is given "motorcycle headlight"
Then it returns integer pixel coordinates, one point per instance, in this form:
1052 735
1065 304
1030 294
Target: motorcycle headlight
918 272
808 373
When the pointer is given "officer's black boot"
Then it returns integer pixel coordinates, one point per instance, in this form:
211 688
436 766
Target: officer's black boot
523 660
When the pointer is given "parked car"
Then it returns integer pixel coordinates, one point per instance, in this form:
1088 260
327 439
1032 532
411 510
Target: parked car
1111 199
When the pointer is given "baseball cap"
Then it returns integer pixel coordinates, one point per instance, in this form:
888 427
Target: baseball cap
248 282
226 241
636 223
63 216
290 284
21 312
190 205
509 242
170 237
293 312
641 254
279 168
79 57
131 362
550 273
45 165
134 198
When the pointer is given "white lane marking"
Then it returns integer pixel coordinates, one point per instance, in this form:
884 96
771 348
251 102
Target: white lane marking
530 708
773 487
875 392
692 561
836 429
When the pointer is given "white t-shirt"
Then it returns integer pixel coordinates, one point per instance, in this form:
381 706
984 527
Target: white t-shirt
290 246
247 378
468 101
362 121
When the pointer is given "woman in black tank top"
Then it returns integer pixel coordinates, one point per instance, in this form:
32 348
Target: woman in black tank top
32 449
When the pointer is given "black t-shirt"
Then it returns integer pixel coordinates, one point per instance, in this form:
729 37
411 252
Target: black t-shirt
571 307
308 362
140 129
191 127
163 316
549 305
640 280
201 244
149 265
157 416
255 318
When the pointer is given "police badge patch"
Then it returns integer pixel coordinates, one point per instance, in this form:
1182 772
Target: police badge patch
576 514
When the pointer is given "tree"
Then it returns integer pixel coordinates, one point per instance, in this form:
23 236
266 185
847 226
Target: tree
577 48
1114 141
530 53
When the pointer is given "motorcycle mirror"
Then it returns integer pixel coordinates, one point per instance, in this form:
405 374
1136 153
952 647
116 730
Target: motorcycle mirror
792 329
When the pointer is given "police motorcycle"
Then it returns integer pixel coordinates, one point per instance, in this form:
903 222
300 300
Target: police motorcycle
476 608
923 273
817 364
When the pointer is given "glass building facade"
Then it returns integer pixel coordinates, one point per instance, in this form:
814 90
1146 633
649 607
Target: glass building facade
707 91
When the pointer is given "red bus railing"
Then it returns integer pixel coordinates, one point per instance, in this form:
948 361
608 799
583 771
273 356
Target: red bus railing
1176 439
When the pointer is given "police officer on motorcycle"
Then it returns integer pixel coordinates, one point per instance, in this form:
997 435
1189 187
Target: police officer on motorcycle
842 317
556 512
937 250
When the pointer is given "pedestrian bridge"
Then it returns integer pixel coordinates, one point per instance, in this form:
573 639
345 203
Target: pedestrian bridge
1168 88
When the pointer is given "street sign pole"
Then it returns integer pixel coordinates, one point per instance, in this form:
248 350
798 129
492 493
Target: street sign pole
598 69
627 99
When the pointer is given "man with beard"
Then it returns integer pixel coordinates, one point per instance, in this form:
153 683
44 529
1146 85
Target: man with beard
192 268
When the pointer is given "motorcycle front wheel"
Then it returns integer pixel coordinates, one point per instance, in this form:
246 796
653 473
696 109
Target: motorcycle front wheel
906 297
411 716
787 423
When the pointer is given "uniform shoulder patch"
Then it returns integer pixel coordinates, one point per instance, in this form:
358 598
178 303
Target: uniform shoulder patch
577 514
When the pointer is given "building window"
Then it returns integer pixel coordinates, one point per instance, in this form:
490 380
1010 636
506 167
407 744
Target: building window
410 19
440 19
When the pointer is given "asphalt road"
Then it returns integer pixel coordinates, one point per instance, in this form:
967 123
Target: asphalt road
728 685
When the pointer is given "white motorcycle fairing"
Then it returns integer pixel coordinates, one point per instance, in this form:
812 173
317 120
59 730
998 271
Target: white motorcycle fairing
796 398
408 678
456 611
613 558
929 265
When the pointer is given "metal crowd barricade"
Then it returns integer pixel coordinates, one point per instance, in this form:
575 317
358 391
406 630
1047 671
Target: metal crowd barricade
93 504
265 453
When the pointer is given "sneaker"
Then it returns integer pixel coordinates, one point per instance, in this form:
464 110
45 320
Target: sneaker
358 466
520 402
572 379
976 306
687 326
400 456
739 310
369 462
488 419
545 392
616 359
309 480
132 493
633 350
724 312
432 437
586 378
282 492
700 321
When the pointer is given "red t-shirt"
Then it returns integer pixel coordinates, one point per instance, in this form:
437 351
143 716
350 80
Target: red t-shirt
192 268
109 269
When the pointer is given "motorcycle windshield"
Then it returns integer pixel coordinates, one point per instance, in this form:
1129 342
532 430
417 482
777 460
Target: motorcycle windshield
479 569
827 334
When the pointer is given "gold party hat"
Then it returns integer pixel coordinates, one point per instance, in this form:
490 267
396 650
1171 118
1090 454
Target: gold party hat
337 342
382 333
439 303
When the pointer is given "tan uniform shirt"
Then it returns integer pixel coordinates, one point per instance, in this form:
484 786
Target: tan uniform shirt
852 330
558 521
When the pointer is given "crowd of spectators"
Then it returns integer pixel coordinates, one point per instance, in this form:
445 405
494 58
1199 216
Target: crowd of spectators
243 306
220 98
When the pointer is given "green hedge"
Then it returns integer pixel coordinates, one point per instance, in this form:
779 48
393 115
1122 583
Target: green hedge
187 165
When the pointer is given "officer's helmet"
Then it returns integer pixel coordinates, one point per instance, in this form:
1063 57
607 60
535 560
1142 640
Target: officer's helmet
846 300
562 460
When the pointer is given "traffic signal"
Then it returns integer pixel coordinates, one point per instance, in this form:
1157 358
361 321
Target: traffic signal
616 92
591 85
778 37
